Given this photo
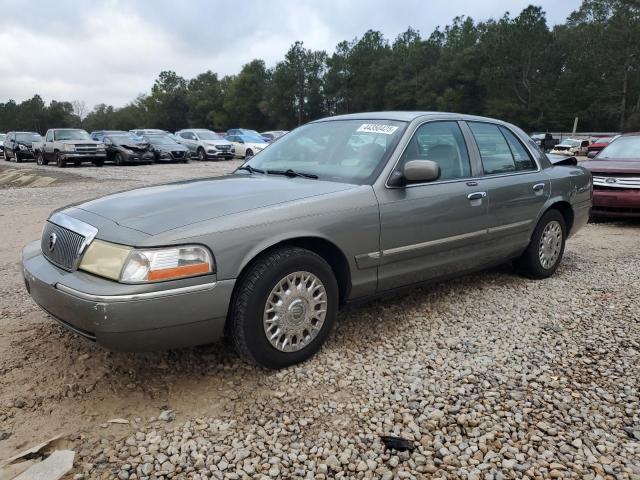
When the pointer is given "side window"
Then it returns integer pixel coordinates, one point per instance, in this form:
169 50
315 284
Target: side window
49 136
185 135
494 150
522 158
443 143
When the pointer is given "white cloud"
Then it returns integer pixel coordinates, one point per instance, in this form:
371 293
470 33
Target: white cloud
108 51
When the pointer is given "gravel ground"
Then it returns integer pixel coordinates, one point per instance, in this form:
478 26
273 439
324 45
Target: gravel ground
489 376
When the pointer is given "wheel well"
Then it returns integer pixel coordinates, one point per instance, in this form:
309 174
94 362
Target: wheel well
567 212
327 250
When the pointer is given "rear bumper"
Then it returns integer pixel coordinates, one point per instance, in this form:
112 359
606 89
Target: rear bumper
174 316
616 202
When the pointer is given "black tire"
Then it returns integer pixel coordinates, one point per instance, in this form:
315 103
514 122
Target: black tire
119 160
77 163
202 155
98 163
246 318
248 153
530 264
60 162
41 159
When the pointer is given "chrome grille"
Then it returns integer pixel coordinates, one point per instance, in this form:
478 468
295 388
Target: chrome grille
85 148
616 181
65 249
223 147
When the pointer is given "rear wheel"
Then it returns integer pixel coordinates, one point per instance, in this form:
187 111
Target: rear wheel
60 161
544 253
40 159
284 308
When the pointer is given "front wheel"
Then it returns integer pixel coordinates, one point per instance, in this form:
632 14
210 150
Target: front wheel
98 163
40 159
248 154
60 161
119 159
202 156
284 308
544 253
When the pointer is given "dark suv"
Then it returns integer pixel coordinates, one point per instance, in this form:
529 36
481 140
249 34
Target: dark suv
18 146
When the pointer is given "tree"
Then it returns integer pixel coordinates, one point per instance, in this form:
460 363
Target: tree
167 106
245 97
204 100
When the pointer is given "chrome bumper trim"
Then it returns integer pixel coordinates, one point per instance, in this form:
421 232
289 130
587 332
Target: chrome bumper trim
135 296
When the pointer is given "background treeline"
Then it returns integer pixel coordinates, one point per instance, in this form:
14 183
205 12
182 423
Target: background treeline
513 68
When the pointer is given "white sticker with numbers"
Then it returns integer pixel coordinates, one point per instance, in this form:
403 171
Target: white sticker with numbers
377 128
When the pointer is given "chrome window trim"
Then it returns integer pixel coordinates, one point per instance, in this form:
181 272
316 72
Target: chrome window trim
135 296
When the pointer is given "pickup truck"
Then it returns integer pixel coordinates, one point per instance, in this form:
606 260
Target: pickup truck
66 145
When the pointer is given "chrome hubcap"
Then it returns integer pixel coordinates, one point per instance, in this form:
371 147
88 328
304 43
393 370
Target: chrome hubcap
550 244
295 311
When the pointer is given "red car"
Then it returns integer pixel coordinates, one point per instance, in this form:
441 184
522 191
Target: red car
598 144
616 178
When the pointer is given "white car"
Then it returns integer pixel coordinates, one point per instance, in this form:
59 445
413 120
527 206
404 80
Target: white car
246 146
571 146
207 145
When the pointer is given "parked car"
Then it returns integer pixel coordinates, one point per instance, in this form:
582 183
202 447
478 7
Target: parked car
18 146
123 148
571 146
273 135
166 149
545 141
267 254
597 144
246 146
64 145
616 178
245 131
100 134
2 137
205 144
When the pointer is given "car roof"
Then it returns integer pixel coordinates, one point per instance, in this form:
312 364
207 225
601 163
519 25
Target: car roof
36 133
404 116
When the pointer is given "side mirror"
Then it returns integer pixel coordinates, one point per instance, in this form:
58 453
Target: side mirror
415 171
592 154
421 171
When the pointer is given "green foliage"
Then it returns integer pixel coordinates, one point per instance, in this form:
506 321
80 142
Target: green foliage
515 68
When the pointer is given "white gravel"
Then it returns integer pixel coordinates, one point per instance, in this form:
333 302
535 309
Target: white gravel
491 376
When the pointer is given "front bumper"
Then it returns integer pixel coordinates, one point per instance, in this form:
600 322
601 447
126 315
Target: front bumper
128 317
85 157
616 202
146 157
227 155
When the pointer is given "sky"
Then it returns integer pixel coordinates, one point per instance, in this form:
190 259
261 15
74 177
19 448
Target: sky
109 51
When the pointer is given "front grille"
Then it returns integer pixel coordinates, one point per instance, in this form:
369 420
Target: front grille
617 180
178 154
87 149
223 147
66 246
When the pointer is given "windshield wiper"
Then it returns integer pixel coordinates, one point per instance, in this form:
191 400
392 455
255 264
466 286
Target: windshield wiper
292 173
250 169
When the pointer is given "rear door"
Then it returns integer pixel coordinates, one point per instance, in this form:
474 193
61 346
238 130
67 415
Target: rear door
517 188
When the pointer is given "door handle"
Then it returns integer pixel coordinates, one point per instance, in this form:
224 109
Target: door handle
538 186
476 195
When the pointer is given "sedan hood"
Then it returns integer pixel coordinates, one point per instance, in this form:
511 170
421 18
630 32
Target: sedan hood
171 147
612 166
161 208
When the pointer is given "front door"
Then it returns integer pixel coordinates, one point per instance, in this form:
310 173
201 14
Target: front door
434 229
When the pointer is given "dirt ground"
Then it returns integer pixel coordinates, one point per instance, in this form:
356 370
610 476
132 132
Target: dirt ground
52 381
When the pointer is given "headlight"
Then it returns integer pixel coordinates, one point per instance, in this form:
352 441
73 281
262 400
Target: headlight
129 265
233 150
101 146
165 155
22 147
69 147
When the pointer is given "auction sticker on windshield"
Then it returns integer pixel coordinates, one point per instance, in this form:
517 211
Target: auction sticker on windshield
377 128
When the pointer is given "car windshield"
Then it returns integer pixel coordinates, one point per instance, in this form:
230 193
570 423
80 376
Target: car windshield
205 135
348 151
124 138
251 139
28 137
161 140
623 148
571 143
71 135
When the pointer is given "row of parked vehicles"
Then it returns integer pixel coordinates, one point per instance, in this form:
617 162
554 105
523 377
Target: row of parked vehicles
572 146
64 146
